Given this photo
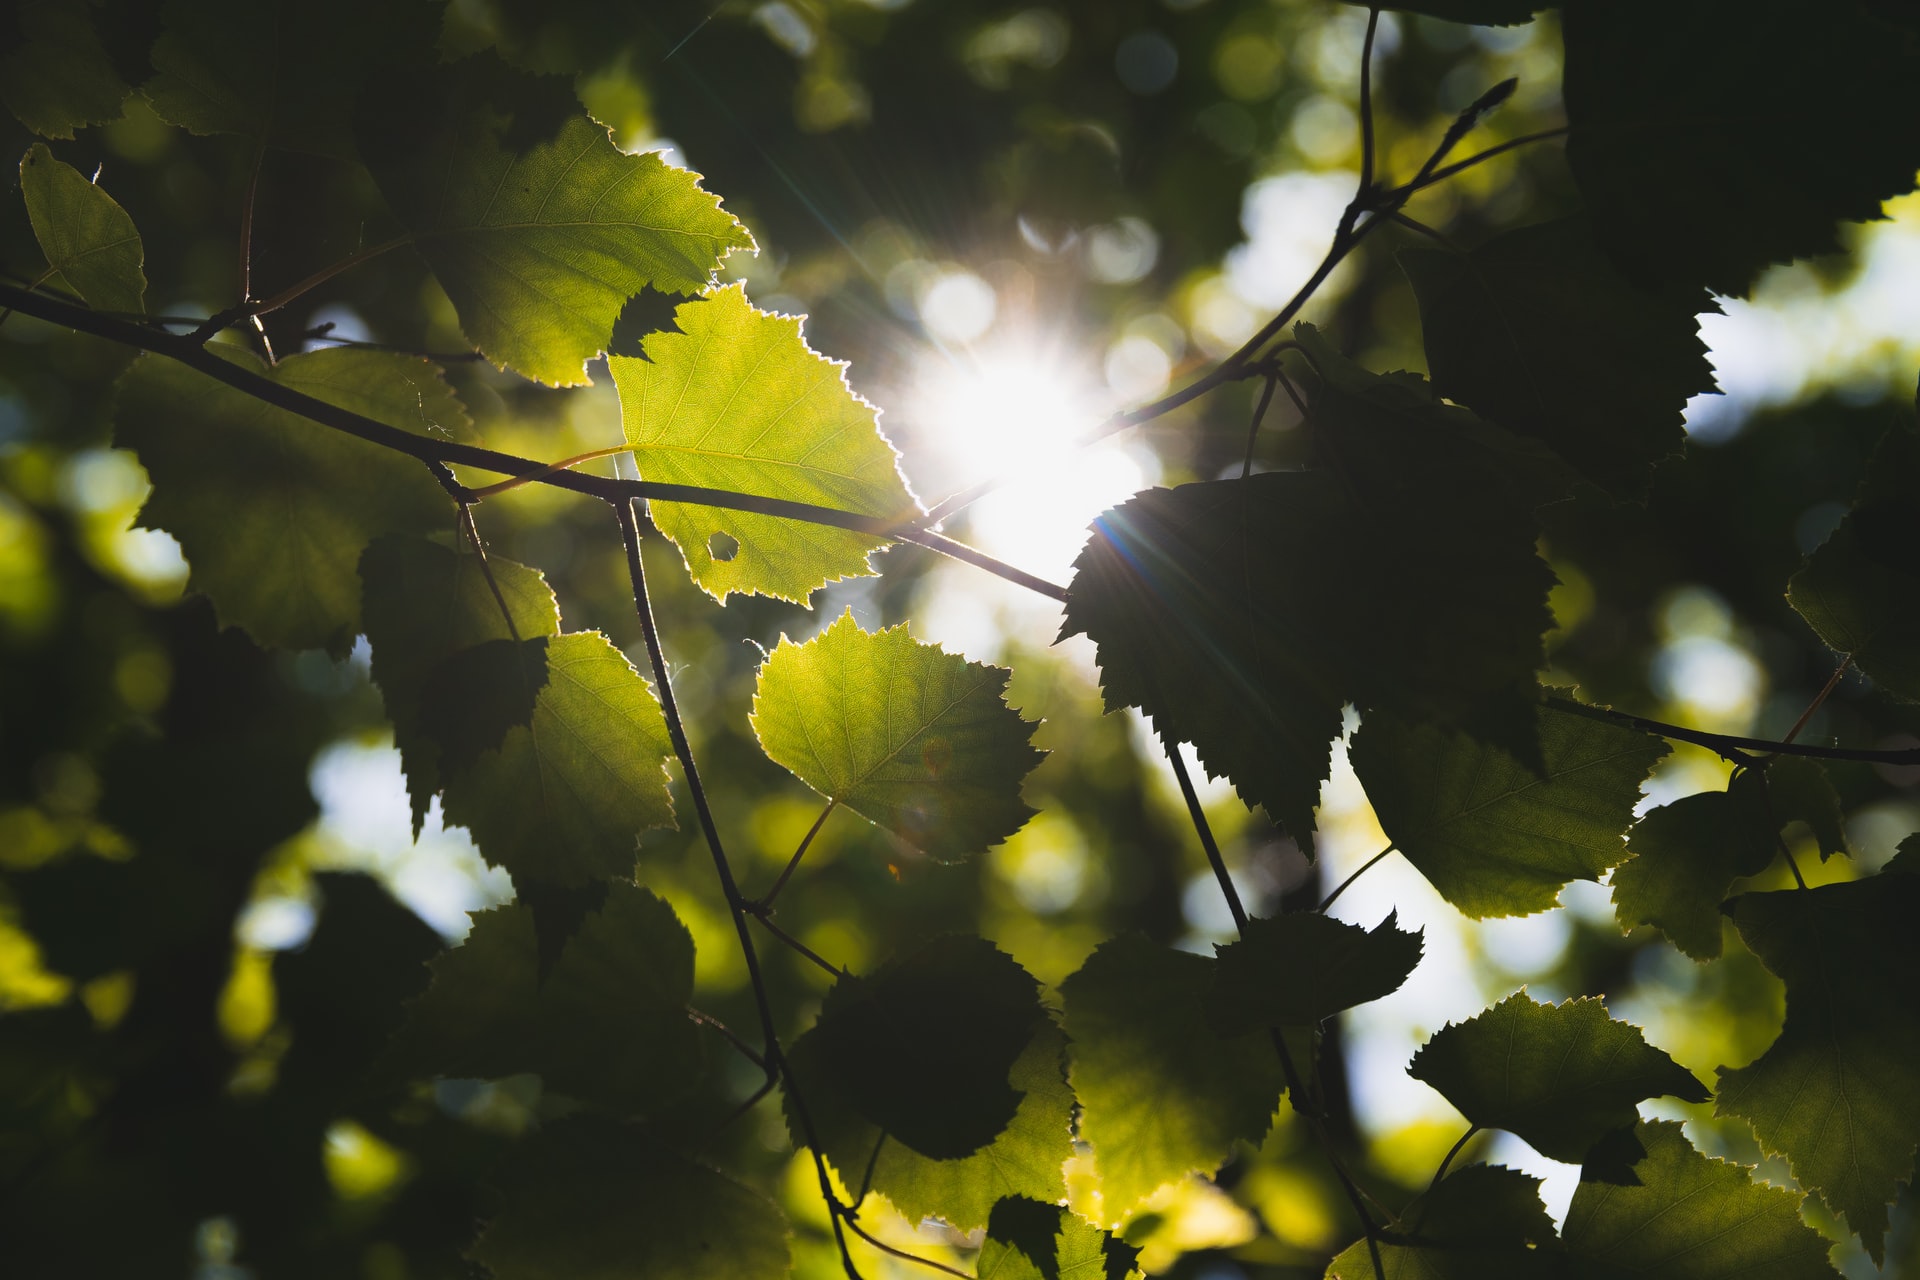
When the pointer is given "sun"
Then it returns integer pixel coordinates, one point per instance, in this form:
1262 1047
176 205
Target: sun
1016 409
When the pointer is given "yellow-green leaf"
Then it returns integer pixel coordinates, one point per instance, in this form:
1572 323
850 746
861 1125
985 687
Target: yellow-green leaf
907 735
88 239
539 242
273 510
737 400
564 798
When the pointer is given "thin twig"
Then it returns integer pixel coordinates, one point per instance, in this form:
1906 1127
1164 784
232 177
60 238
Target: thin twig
767 923
246 243
775 1060
1342 886
1819 699
1452 1151
1366 99
1730 747
189 351
765 902
748 1103
1296 1090
752 1054
1460 166
1253 428
565 464
842 1214
486 570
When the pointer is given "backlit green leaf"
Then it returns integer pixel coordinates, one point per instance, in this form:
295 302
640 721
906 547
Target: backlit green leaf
423 603
282 71
1478 1223
1214 612
1686 1216
1031 1240
58 78
1537 331
480 1016
272 510
1493 837
1161 1093
1301 968
1686 855
538 241
1839 1092
1027 1158
88 240
583 1200
1562 1076
1800 791
1860 590
924 1047
1440 524
565 797
1713 140
915 739
737 400
608 1026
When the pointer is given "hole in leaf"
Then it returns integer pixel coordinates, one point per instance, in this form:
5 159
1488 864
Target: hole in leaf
723 546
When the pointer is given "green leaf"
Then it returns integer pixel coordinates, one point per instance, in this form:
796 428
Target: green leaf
737 400
1801 792
474 697
538 245
1537 331
423 603
1686 855
1302 968
1027 1159
272 510
564 797
281 71
1477 1223
1440 530
89 241
923 1049
1030 1240
58 78
1561 1077
609 1026
1493 837
1686 1216
613 1022
1714 140
1860 589
479 1018
915 739
1215 613
582 1200
1161 1094
1839 1092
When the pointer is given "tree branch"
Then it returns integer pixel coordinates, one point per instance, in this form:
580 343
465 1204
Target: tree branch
190 352
1731 747
775 1060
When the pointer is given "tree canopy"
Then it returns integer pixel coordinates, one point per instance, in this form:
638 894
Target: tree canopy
865 637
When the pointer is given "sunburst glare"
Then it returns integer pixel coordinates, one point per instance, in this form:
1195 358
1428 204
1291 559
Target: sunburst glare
1015 409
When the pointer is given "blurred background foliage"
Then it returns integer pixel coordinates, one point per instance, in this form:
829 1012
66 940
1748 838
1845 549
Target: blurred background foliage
1009 220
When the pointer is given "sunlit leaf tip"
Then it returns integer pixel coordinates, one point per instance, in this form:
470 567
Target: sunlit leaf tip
913 738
